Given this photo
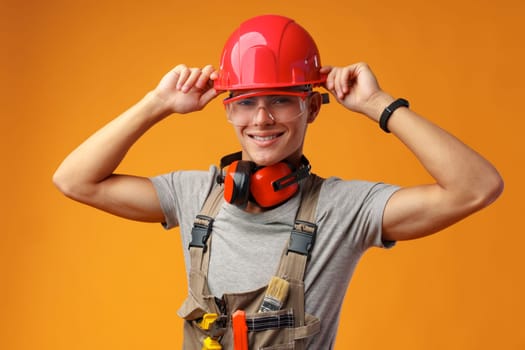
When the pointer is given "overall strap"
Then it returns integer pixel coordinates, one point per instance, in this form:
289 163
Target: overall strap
302 237
202 227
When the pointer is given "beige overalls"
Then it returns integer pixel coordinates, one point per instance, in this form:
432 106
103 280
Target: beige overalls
287 328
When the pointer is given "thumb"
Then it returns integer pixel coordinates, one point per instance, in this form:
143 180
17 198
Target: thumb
208 96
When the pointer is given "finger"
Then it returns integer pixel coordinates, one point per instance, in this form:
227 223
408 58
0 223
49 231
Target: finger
192 79
214 75
183 72
325 69
204 81
340 81
345 81
208 70
208 96
329 84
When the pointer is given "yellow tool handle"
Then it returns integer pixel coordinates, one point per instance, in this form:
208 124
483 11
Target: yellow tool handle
211 344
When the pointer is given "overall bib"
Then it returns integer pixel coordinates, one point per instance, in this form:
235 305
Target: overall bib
208 319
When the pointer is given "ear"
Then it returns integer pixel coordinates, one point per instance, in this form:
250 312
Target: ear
314 106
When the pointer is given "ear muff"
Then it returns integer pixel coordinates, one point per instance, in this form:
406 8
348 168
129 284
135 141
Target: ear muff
263 185
237 182
268 186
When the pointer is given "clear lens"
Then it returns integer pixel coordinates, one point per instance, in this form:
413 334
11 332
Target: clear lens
282 106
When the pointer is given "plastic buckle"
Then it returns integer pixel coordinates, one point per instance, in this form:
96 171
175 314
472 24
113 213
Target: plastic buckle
302 238
201 231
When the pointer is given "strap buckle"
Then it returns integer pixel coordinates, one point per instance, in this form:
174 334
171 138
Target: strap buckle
302 238
201 231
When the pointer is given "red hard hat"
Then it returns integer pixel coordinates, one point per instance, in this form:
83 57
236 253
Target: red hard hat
269 51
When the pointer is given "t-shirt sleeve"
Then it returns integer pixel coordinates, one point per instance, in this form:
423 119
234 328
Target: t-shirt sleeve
182 189
355 210
375 204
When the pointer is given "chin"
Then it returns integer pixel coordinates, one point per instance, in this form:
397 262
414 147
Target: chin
263 159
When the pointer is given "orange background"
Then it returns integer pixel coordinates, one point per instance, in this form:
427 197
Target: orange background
75 278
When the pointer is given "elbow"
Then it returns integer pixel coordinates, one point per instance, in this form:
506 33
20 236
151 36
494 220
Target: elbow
488 192
67 186
495 190
63 184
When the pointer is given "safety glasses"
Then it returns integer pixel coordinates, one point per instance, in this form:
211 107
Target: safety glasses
280 106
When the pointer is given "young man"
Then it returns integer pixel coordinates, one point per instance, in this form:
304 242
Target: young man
270 67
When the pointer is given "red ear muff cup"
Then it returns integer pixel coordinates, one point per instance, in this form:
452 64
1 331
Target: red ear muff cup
262 189
237 183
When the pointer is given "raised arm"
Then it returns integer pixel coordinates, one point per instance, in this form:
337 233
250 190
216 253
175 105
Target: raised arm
465 182
87 174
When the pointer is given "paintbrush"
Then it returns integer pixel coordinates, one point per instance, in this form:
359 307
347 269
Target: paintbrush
276 294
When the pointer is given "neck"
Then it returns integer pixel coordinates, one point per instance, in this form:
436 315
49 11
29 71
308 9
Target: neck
253 208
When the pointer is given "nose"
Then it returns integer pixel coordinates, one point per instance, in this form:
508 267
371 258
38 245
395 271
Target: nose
263 116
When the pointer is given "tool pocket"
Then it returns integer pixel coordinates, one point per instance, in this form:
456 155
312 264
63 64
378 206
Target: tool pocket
196 303
276 330
198 326
191 309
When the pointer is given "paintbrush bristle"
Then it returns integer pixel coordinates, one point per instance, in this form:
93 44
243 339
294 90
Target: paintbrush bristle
276 294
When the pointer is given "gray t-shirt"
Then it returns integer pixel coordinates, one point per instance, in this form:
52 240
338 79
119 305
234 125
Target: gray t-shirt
246 248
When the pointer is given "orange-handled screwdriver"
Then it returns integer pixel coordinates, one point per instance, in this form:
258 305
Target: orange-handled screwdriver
240 330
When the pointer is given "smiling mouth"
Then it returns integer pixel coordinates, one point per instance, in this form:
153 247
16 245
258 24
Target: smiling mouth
265 138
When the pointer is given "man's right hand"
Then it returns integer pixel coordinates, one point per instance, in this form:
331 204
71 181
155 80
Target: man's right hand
87 174
185 90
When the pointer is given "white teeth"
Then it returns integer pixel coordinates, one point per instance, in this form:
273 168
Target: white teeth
264 138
